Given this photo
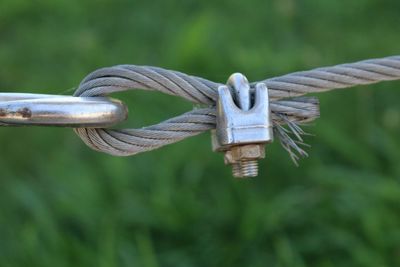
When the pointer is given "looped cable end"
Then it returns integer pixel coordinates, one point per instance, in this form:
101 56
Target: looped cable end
198 90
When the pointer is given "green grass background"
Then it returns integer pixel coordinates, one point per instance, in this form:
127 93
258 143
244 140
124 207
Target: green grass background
62 204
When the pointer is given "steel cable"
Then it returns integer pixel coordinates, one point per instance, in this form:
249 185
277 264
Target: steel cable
287 105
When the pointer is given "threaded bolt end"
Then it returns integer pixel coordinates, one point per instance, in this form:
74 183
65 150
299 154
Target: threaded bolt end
249 168
236 170
245 168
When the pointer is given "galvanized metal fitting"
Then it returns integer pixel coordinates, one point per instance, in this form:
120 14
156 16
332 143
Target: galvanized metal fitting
243 125
18 109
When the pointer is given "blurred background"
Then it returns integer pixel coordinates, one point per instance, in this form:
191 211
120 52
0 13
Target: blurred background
62 204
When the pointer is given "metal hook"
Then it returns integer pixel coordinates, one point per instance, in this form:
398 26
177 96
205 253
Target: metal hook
18 109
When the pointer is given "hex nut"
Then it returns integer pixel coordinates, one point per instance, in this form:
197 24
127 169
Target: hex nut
244 152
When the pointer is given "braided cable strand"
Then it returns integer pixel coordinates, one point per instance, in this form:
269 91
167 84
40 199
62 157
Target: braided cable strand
335 77
201 91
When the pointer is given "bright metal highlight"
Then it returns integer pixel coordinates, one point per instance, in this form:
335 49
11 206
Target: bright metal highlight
56 110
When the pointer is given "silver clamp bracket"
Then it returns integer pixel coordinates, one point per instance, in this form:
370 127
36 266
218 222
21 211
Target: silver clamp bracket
243 125
55 110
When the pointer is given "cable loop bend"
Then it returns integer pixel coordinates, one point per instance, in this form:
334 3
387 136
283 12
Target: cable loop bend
194 89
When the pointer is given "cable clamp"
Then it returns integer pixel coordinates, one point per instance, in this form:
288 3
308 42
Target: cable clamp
243 125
